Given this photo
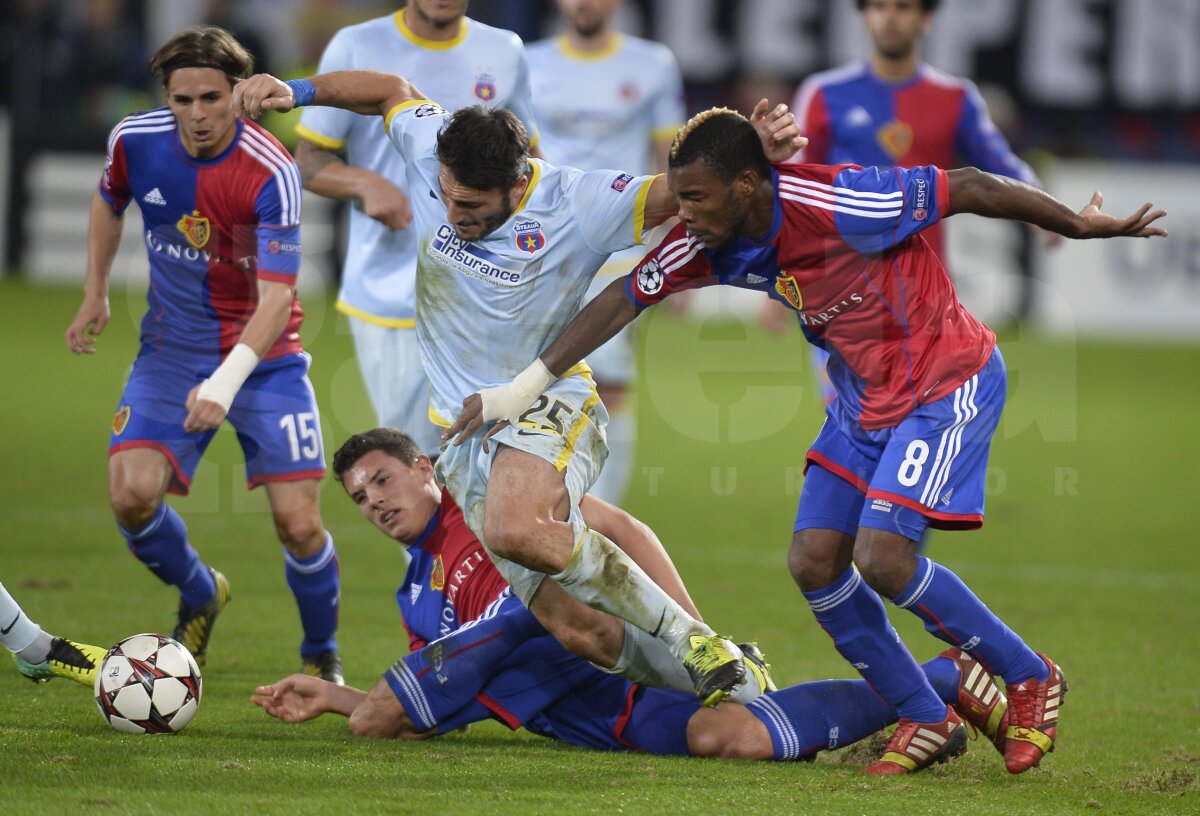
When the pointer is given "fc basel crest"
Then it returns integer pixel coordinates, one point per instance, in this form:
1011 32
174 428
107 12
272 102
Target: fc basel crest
529 236
787 287
485 87
195 228
896 138
437 579
120 420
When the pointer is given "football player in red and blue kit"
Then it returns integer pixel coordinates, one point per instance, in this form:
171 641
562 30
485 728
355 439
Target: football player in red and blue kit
893 110
920 387
479 654
220 203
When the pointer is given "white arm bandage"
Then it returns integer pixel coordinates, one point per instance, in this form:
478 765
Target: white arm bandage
224 383
509 401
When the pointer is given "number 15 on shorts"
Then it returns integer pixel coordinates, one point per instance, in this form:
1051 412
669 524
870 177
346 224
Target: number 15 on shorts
301 430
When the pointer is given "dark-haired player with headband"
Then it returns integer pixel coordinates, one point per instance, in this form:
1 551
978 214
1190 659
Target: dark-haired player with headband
920 387
220 201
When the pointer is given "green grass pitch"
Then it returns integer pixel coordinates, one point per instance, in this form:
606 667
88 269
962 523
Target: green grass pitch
1090 552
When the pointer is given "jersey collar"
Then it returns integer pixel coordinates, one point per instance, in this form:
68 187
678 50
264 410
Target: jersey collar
535 175
432 45
611 47
434 520
239 125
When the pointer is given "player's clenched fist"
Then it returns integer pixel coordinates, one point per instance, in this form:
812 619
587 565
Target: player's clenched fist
262 92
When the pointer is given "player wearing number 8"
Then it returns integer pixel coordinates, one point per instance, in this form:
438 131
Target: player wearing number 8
220 201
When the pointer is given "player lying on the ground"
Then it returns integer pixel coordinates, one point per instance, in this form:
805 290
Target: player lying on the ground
39 655
479 654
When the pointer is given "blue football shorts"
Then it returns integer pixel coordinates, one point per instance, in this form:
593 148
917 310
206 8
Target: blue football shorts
929 470
275 415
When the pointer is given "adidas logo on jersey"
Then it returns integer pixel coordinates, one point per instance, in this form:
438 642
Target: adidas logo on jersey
858 117
155 197
414 593
752 278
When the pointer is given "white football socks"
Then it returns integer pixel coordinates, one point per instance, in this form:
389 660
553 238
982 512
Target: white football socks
602 576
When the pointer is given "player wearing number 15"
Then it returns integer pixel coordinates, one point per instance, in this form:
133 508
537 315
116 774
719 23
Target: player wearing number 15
220 202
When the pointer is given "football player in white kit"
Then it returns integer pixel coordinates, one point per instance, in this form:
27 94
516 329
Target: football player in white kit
604 99
507 246
457 61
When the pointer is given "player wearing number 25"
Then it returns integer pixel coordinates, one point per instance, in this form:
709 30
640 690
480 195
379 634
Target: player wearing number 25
220 201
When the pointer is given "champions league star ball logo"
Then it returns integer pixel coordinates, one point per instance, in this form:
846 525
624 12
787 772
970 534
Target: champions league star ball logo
650 277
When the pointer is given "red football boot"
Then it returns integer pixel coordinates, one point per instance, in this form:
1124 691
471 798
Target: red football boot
1033 718
915 746
980 701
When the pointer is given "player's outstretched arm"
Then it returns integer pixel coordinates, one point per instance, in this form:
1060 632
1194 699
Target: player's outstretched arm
103 241
300 697
974 191
600 320
366 92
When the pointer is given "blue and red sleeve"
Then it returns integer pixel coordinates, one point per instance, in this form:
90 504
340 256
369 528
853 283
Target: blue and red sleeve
114 181
278 230
877 208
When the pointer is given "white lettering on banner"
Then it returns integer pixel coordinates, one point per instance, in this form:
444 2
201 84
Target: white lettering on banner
1065 43
1156 64
1138 54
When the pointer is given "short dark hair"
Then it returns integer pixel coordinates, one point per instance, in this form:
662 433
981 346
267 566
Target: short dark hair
928 5
389 440
485 148
202 47
724 140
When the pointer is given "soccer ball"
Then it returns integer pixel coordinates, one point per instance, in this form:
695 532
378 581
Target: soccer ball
148 684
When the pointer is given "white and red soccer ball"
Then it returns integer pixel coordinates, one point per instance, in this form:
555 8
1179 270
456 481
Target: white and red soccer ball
148 684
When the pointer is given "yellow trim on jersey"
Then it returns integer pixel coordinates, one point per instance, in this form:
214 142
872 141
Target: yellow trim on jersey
438 419
665 134
433 45
639 210
387 322
534 140
327 142
581 368
534 177
612 47
387 120
560 464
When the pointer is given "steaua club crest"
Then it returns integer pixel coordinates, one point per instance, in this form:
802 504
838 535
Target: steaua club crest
529 236
787 287
437 579
485 87
120 419
195 228
896 138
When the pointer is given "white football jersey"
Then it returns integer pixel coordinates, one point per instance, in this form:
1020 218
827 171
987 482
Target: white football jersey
605 109
487 308
482 66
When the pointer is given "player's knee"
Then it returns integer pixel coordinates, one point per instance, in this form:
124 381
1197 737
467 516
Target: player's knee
817 558
741 737
301 534
525 540
134 501
885 561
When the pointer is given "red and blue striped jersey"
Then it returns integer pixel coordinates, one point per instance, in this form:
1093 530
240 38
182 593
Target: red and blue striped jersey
844 250
852 116
450 579
212 228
